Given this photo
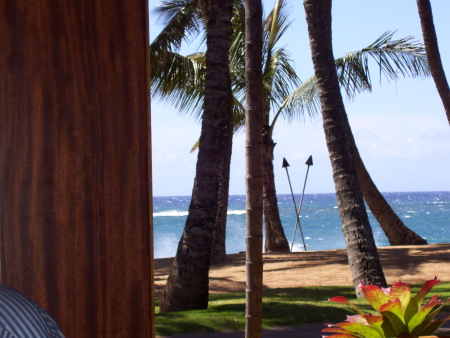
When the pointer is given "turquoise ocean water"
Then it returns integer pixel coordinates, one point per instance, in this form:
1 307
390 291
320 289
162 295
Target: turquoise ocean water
427 213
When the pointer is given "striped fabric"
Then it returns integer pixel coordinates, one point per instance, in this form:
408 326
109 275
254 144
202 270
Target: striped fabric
21 318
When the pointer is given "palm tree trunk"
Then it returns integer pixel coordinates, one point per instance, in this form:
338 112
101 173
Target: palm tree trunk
362 253
254 167
433 55
188 283
218 250
275 238
394 228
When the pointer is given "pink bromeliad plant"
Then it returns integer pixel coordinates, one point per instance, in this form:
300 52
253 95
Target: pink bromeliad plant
398 315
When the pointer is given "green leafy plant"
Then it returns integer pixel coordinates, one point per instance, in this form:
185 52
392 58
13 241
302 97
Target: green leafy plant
399 314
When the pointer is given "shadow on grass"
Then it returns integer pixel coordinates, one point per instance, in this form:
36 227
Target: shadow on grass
281 307
201 321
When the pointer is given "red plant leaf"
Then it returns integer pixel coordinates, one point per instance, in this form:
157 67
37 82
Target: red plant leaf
393 311
335 330
362 330
401 291
343 300
425 289
374 295
376 322
339 299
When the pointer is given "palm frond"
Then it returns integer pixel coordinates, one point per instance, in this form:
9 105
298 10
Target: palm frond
238 115
237 64
304 99
276 23
274 26
279 76
182 20
395 58
281 79
178 80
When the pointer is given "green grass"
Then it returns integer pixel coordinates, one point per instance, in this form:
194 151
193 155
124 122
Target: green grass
281 307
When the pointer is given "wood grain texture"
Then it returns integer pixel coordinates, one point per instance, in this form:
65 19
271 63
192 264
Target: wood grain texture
75 209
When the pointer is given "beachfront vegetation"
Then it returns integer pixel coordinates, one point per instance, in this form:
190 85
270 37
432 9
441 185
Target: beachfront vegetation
281 307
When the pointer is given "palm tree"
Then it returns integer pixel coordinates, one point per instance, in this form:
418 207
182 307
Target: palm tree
180 80
394 57
187 285
279 80
361 249
254 167
434 57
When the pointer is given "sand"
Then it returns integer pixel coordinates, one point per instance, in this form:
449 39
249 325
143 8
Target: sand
410 264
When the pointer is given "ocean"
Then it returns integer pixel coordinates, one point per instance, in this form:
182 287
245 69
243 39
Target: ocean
426 213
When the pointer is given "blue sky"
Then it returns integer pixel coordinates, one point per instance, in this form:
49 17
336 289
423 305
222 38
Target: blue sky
400 128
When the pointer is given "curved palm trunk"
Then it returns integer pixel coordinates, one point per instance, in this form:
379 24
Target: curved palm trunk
275 238
218 250
187 285
362 253
394 228
433 55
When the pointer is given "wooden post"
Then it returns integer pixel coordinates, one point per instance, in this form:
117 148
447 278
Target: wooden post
75 174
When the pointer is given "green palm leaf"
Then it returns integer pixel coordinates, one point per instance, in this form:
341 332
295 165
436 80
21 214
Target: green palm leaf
182 20
279 76
178 80
394 58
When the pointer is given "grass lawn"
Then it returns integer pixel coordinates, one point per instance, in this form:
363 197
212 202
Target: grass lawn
281 307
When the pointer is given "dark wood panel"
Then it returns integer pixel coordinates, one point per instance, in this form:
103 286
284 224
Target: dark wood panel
75 209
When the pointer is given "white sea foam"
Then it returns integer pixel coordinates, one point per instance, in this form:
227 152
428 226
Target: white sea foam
170 213
299 247
176 213
235 212
167 246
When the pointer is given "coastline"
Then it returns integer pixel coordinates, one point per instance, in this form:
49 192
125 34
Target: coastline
425 213
410 264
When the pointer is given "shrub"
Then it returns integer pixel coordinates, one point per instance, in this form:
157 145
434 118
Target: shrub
398 315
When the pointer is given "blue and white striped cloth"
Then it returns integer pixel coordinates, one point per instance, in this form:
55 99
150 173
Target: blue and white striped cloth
21 318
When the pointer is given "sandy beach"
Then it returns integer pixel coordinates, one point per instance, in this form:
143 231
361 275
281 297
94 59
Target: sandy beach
410 264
